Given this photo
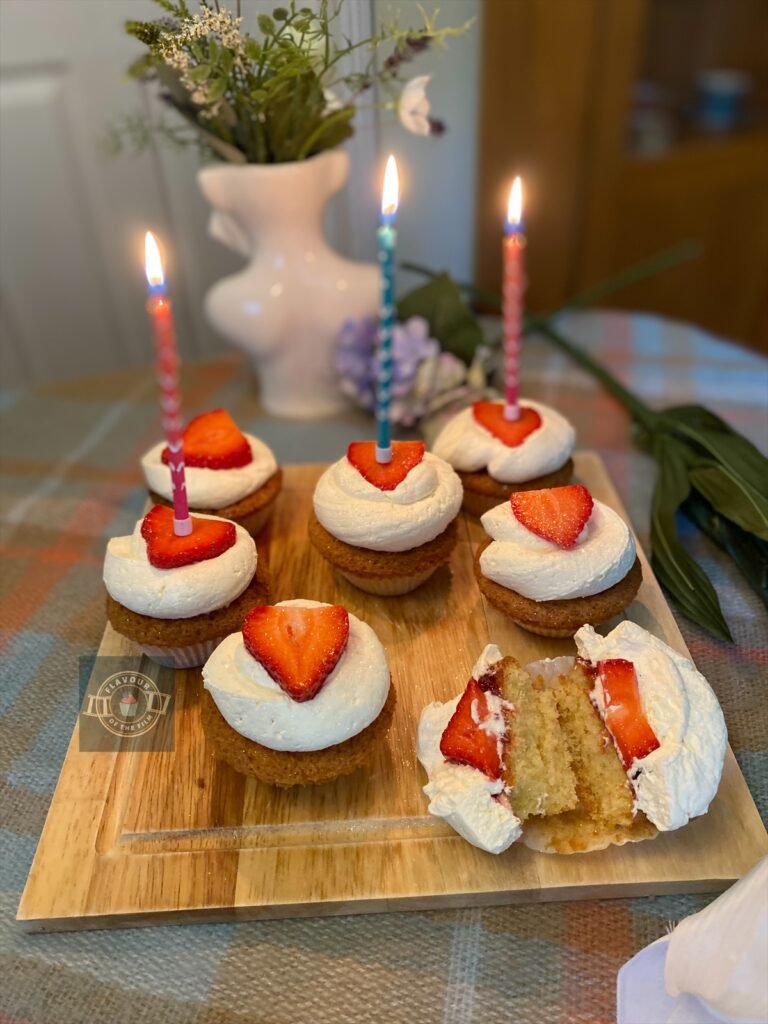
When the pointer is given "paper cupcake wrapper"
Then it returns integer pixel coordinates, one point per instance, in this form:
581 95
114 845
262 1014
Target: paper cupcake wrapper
190 656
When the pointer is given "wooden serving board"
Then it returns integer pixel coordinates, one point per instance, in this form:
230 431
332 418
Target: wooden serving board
140 838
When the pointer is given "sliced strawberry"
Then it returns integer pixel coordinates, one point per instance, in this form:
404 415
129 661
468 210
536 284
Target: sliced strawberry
624 716
385 475
464 739
299 647
512 433
558 514
213 441
209 538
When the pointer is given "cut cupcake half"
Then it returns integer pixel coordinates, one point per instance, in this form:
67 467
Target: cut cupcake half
590 752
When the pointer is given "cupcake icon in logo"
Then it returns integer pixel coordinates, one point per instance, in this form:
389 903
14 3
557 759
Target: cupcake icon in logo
129 705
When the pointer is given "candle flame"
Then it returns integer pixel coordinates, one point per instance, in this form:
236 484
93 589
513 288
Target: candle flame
515 205
391 192
153 265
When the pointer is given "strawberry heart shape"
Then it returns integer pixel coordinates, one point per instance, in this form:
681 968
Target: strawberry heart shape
385 475
209 538
299 647
213 441
512 433
558 514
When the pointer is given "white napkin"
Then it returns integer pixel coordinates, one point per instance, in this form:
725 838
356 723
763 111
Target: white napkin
712 969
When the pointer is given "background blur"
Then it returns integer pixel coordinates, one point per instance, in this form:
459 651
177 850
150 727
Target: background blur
636 124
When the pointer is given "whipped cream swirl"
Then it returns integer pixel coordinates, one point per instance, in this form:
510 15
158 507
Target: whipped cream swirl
465 797
679 779
179 593
540 570
212 488
468 446
255 706
413 513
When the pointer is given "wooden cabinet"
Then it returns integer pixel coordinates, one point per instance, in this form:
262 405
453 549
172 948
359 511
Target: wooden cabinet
558 76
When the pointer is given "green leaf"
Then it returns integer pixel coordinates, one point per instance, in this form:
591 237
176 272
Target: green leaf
450 319
266 25
280 14
731 449
749 553
216 90
685 580
252 48
732 496
200 74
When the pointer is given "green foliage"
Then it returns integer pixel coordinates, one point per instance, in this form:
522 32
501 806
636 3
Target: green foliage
450 319
265 97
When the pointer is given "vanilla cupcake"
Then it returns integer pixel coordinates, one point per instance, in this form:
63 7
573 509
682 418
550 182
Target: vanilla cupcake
301 696
227 473
556 559
178 597
386 528
496 457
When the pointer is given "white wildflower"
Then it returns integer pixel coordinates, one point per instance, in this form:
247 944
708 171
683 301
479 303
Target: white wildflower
413 106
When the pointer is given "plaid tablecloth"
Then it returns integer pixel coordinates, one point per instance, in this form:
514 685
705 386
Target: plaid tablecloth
70 480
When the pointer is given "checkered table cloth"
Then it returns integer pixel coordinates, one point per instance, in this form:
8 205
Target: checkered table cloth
71 479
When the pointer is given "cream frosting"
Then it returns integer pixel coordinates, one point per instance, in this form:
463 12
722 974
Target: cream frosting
255 706
540 570
178 593
212 488
465 797
679 779
470 447
413 513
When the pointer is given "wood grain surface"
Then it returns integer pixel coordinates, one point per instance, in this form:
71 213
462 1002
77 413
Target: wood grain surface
141 838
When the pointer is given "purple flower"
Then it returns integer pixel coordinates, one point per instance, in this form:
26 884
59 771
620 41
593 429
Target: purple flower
422 374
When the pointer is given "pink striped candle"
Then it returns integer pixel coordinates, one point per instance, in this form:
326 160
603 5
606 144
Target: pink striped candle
513 250
167 366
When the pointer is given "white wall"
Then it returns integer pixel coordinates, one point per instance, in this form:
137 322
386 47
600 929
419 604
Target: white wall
436 223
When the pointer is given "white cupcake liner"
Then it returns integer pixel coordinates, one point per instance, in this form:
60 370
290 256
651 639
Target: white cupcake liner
394 586
189 656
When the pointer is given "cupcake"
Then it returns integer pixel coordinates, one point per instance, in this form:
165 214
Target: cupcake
301 696
228 473
496 457
575 754
178 597
557 559
387 527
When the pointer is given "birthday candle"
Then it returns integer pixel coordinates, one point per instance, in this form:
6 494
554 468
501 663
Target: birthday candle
167 367
512 297
387 237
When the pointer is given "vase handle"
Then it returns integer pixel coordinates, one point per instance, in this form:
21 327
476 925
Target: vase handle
226 230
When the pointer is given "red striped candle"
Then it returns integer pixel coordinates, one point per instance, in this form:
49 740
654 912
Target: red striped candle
513 250
167 366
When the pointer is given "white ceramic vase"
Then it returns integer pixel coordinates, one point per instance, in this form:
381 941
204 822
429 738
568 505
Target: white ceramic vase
285 308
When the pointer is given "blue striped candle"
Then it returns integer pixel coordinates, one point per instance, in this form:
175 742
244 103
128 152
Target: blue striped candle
387 236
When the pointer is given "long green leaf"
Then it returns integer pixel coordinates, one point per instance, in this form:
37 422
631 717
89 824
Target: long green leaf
733 451
733 497
685 580
749 553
